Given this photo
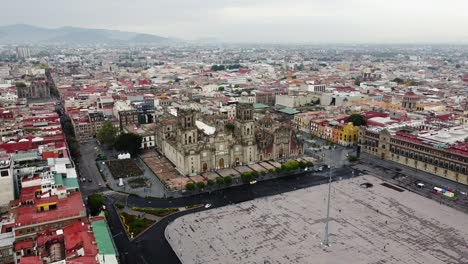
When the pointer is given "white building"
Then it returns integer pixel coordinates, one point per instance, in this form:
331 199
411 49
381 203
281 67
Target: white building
294 100
7 190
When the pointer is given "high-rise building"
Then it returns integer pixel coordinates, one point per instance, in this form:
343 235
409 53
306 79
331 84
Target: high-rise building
23 52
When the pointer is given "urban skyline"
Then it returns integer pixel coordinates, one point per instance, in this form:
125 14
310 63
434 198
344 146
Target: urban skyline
358 21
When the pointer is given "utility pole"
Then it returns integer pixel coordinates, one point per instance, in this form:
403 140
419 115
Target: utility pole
325 241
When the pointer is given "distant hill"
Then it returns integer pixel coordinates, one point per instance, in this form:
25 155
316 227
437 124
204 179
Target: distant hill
27 34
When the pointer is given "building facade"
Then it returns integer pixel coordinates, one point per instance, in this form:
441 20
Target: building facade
37 89
410 101
194 147
447 161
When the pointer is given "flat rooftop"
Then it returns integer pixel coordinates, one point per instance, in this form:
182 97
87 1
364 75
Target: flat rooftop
446 135
368 225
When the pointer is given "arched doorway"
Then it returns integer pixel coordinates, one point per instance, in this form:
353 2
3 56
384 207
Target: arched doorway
281 152
261 157
221 163
237 161
205 167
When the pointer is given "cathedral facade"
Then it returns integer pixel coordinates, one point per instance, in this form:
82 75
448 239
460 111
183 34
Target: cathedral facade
194 147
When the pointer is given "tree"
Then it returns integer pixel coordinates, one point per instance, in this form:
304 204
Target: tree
95 203
201 185
230 127
221 88
20 84
357 120
128 142
228 180
219 180
74 147
302 164
352 158
290 165
210 182
412 83
190 186
68 128
106 134
246 176
357 81
398 80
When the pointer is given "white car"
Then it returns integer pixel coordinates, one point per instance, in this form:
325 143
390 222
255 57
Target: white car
207 205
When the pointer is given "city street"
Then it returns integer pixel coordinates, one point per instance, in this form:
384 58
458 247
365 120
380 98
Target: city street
409 178
88 170
152 245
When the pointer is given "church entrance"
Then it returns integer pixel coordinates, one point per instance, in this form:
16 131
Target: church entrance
221 163
205 167
281 152
237 161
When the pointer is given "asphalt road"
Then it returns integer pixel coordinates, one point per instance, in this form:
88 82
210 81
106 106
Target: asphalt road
88 170
408 178
152 247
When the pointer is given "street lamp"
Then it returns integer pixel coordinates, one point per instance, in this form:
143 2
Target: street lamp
325 241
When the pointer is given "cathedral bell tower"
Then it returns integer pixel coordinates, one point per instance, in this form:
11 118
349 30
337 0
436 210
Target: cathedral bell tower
188 133
245 126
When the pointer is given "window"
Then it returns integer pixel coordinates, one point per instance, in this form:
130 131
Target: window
4 173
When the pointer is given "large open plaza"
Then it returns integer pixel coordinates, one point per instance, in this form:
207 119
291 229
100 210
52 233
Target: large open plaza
378 224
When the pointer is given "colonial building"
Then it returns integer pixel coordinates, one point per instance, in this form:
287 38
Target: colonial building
195 147
410 100
37 89
277 141
87 126
443 152
127 117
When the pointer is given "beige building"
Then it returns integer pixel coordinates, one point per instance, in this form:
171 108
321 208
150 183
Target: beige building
87 127
37 89
195 147
443 153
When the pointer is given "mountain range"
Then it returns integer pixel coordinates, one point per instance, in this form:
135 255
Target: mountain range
27 34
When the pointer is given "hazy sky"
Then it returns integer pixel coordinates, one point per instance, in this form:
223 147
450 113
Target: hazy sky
316 21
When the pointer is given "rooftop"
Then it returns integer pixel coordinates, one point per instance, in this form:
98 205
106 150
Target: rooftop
289 111
260 106
66 207
447 135
103 238
368 225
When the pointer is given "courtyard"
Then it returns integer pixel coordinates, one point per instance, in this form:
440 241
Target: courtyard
123 168
370 223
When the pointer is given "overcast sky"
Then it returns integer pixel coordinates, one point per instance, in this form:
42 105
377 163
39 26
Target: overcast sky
315 21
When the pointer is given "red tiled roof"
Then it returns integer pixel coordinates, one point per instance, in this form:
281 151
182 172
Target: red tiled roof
345 89
66 207
24 245
83 260
31 260
77 236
